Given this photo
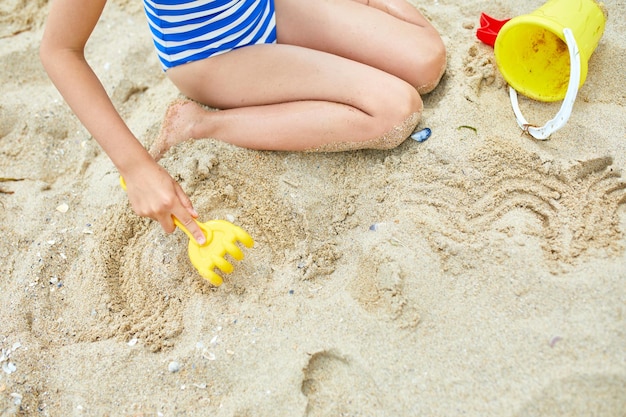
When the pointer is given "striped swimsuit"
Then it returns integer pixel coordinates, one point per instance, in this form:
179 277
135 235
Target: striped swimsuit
190 30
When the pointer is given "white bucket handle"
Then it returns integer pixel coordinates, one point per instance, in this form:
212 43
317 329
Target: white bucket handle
565 111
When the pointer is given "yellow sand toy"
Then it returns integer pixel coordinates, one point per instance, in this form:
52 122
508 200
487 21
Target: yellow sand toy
221 238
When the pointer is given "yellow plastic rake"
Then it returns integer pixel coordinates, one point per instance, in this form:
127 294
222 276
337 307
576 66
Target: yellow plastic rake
221 238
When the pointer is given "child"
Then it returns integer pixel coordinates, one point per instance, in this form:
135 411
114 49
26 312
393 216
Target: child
297 75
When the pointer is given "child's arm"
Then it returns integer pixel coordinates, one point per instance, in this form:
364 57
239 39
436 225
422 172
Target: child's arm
151 190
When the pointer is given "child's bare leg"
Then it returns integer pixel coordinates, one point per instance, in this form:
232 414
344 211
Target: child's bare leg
389 140
391 35
186 119
284 97
400 9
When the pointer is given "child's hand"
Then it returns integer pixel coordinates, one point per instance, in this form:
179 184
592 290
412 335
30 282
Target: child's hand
154 193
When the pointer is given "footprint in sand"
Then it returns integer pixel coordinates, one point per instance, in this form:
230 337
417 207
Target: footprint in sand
380 285
335 386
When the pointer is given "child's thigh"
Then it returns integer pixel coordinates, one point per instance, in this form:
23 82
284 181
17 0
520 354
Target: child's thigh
270 74
361 33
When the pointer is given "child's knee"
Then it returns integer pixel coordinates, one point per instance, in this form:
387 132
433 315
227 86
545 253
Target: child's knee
390 139
408 112
431 65
414 104
396 135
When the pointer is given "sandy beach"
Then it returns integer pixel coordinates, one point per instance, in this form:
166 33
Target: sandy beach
479 273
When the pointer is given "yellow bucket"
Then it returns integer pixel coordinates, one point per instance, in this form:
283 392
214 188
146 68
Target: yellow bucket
530 49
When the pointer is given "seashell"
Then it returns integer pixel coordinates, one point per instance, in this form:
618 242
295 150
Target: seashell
173 367
17 398
422 135
208 355
63 208
9 367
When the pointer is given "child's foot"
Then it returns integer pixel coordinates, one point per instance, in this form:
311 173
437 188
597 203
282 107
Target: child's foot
177 127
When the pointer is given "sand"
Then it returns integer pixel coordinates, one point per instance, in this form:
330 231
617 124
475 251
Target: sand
480 273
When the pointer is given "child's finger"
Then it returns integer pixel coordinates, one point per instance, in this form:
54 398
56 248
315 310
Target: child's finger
185 218
167 224
186 201
192 227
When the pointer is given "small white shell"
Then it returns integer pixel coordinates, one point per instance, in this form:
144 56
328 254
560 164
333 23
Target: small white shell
9 367
173 367
17 398
63 208
208 355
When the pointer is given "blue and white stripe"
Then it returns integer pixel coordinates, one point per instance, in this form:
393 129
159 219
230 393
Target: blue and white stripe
189 30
